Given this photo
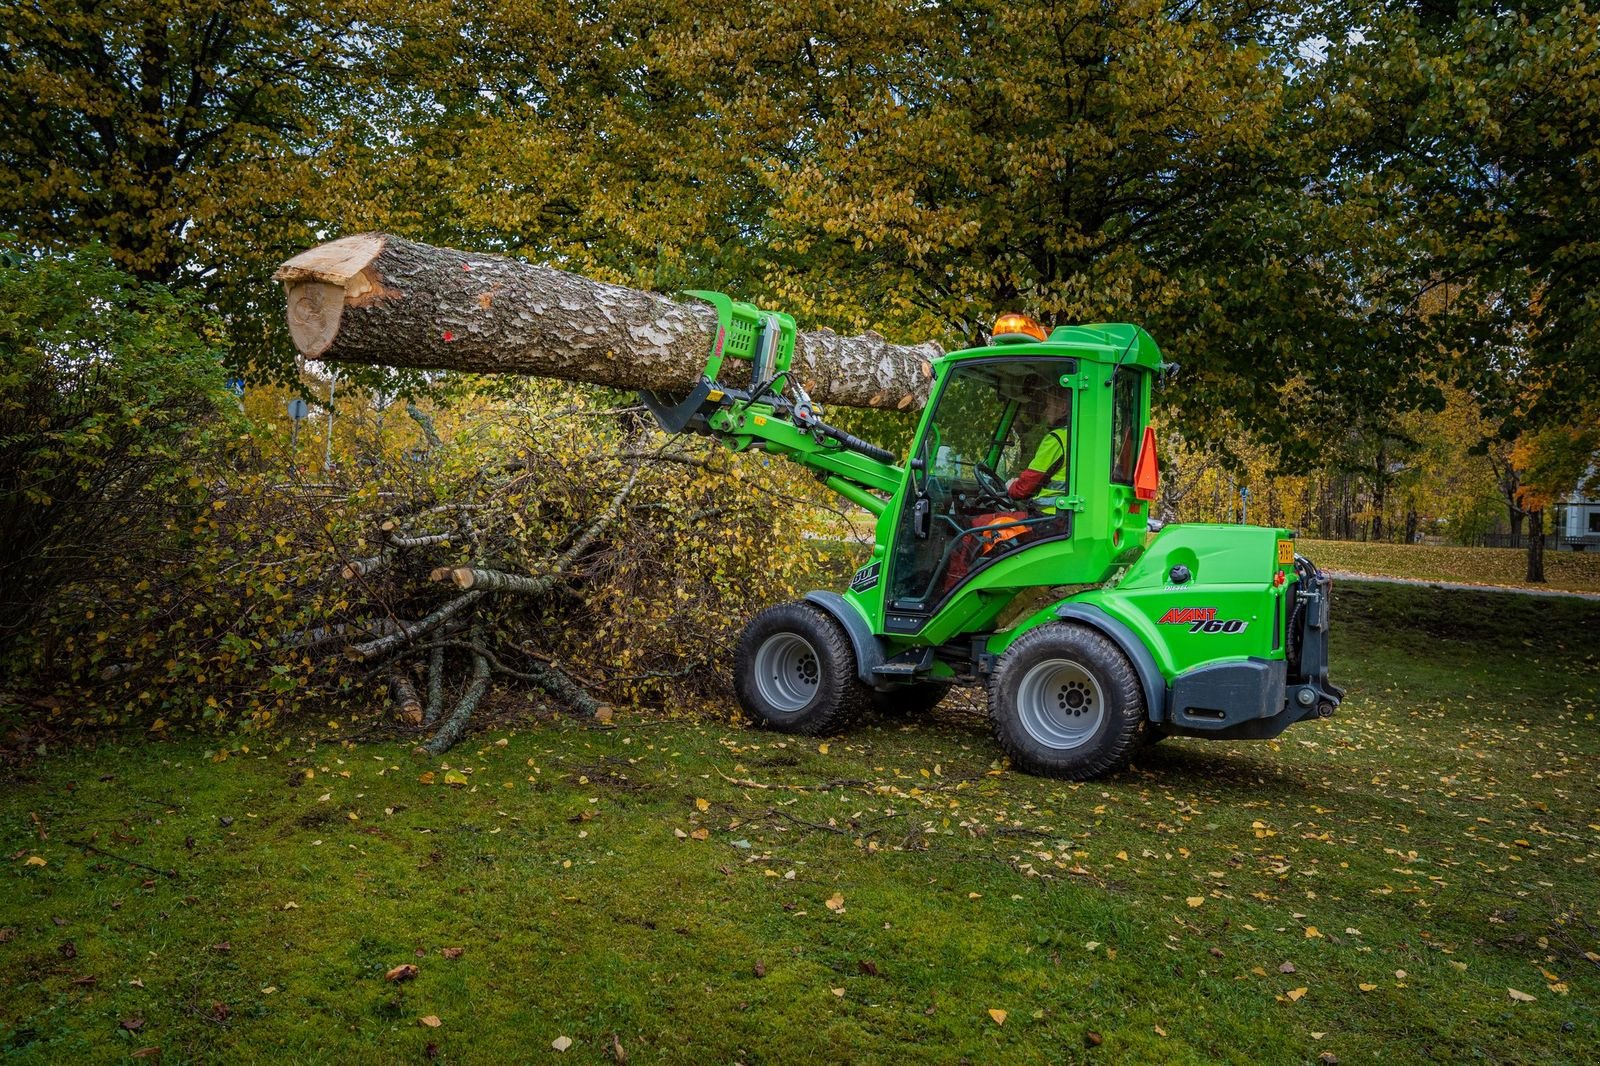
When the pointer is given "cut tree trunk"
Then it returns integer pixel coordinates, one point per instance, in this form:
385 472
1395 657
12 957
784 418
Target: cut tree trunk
381 300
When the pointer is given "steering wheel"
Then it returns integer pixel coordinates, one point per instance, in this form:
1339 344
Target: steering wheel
990 486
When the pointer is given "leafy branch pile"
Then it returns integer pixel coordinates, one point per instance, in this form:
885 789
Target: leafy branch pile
567 550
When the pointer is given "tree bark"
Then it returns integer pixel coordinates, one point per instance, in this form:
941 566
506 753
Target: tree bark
381 300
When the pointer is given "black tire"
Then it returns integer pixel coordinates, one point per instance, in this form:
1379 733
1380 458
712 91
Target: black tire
1065 702
906 701
795 672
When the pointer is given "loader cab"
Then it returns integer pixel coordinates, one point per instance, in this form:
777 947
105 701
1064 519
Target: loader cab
1066 414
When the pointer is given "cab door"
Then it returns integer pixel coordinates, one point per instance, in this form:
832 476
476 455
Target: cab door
990 422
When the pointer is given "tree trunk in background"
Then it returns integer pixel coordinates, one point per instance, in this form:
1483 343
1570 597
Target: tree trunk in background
1380 492
380 300
1536 546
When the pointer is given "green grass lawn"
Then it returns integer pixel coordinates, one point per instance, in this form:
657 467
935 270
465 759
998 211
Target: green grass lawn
1567 571
1370 886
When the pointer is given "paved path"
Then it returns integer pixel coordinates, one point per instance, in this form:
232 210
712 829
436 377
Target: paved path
1347 575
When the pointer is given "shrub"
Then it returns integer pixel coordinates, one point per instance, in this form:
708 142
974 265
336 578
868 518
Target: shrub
107 388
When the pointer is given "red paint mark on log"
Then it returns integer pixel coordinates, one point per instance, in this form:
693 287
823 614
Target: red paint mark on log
449 336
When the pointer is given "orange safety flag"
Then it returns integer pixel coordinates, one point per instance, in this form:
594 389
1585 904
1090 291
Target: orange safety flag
1147 474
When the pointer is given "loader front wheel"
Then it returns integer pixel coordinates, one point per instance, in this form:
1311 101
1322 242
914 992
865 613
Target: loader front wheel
794 671
1065 702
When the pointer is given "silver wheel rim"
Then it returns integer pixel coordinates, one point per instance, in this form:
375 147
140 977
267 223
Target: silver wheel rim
787 672
1060 704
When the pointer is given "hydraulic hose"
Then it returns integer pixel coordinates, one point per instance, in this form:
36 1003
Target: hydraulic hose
854 443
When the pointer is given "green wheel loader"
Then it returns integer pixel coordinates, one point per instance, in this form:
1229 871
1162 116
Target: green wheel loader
1034 467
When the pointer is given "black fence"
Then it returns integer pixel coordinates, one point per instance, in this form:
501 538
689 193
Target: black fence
1553 542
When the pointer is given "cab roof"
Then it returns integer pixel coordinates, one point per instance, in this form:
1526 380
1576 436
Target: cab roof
1106 342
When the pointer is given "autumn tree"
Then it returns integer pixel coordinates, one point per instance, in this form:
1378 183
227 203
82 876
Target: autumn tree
181 135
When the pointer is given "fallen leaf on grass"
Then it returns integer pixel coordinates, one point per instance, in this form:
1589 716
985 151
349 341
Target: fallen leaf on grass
451 953
1287 967
427 777
1195 901
1092 1039
835 903
1520 997
455 778
404 972
1294 994
133 1025
701 834
1159 1031
838 992
1366 987
291 906
1312 932
702 805
35 860
998 1015
430 1020
868 967
561 1043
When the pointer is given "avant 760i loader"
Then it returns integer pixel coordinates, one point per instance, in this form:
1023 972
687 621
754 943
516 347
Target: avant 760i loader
1034 467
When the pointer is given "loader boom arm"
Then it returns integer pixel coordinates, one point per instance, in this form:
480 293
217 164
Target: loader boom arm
773 414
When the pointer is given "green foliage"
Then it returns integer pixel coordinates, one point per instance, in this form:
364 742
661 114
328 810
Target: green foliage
182 136
1497 189
108 389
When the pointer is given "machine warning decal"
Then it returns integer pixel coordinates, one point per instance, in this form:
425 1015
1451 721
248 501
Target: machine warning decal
1285 553
866 578
1202 620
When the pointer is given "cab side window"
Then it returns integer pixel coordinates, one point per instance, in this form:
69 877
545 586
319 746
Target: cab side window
1125 426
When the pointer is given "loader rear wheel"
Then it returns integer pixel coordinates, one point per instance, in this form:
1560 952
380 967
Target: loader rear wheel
1065 702
794 671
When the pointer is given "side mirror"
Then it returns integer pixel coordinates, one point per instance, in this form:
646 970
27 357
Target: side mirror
1165 375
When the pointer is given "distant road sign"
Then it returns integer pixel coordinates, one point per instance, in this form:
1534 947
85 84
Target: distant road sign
236 385
298 409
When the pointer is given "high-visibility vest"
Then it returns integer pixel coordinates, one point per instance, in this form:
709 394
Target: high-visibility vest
1051 461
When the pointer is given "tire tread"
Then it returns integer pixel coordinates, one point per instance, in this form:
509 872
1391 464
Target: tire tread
1117 672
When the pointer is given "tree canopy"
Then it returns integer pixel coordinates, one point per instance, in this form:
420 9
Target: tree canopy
1325 212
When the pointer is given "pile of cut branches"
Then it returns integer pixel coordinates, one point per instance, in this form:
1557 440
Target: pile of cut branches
592 558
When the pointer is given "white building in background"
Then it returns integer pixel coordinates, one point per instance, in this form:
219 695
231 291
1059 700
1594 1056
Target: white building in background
1581 530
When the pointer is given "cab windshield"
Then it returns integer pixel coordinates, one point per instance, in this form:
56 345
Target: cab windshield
995 458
